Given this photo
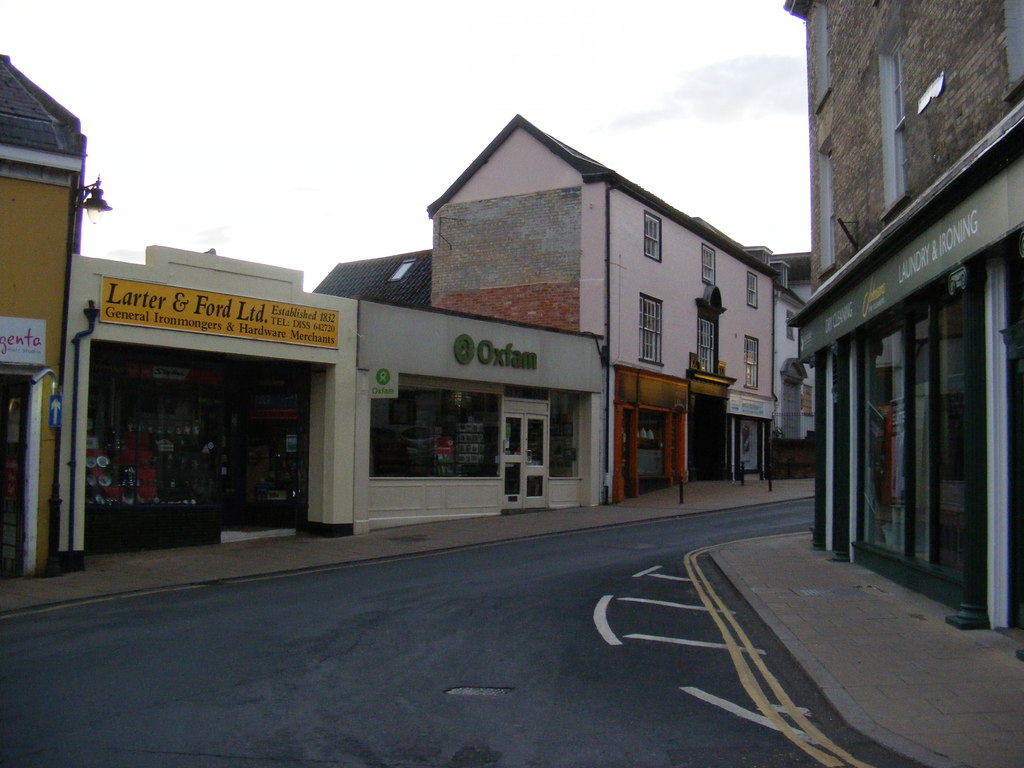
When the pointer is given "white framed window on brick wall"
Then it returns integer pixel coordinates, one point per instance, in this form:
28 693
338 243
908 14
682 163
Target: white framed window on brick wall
822 52
1014 13
751 289
750 354
707 263
650 329
652 236
826 213
894 118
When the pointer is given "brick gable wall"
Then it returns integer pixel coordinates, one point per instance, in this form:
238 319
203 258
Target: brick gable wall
514 258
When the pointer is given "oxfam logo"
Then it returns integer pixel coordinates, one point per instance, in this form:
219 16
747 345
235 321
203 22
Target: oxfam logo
383 376
465 349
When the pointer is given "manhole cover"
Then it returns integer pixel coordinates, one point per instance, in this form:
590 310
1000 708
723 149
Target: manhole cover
468 690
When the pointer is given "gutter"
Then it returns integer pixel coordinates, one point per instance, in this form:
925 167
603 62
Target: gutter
91 314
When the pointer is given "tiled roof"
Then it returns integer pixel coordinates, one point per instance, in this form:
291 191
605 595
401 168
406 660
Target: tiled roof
383 279
30 118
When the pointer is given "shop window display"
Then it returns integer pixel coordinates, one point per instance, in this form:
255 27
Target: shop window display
155 434
884 492
564 435
651 444
428 432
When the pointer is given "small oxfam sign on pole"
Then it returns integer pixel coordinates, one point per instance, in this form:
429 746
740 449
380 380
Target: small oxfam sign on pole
383 384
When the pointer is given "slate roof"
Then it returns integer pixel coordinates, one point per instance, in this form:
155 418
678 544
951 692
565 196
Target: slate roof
372 279
30 118
593 171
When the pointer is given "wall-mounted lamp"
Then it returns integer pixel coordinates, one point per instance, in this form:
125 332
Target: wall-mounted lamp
90 197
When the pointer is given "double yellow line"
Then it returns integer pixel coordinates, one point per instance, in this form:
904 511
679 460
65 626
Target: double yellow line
757 680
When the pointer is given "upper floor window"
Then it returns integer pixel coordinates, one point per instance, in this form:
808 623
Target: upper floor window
707 351
826 214
1014 12
894 118
707 264
652 237
751 289
790 331
822 52
650 329
750 353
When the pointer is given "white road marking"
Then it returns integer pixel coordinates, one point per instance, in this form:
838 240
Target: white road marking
670 578
739 711
647 572
601 621
684 641
662 602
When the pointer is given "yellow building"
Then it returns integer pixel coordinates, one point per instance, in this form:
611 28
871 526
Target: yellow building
42 151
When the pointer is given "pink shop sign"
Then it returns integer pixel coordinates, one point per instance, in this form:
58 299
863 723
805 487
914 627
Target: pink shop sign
22 340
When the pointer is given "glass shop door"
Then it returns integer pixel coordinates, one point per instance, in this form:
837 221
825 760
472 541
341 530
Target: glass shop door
525 461
13 399
266 462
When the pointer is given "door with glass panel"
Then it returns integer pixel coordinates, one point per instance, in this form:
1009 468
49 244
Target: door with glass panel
525 461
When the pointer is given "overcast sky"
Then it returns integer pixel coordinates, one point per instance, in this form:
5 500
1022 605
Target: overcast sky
307 132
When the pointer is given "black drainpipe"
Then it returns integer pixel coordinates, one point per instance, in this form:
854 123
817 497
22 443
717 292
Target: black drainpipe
606 480
91 314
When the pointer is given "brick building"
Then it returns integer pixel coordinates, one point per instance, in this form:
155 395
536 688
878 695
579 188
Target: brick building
917 180
535 232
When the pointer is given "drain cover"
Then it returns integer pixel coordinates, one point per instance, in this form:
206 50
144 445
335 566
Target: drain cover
478 691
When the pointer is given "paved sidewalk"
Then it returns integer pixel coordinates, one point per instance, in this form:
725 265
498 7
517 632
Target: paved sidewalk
883 655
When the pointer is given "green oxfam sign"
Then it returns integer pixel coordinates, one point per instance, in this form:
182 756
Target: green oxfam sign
487 353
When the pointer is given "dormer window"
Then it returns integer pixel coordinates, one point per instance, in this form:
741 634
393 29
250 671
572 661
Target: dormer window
403 268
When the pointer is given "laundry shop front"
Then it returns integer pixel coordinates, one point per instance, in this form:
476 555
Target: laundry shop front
211 399
917 344
469 417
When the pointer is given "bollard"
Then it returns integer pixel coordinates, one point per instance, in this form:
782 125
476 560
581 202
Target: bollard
743 475
681 490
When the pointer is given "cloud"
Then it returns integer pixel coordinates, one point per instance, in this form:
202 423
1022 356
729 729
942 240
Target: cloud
744 88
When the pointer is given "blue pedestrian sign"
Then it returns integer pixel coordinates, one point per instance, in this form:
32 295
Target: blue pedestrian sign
56 405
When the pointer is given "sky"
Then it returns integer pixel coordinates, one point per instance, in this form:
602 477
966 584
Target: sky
303 133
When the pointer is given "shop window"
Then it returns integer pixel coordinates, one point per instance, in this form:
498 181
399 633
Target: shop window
650 454
428 432
564 435
884 493
922 431
155 434
950 417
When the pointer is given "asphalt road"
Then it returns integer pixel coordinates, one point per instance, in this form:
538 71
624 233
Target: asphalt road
588 650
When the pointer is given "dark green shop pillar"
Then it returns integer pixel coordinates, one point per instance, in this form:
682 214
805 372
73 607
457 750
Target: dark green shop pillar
973 612
821 390
841 451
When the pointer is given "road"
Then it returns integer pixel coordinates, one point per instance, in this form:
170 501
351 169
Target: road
581 650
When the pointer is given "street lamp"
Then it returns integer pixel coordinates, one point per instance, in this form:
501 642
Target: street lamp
90 197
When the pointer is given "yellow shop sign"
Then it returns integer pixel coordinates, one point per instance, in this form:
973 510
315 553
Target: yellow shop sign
184 309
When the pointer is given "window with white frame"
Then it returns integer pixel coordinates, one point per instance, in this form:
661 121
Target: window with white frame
750 361
826 213
1014 13
751 289
706 344
652 236
707 264
822 52
894 155
650 329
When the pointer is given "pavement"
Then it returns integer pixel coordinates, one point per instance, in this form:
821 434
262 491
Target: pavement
884 656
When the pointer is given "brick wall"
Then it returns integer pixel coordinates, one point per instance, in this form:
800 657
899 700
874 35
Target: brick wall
965 39
514 258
